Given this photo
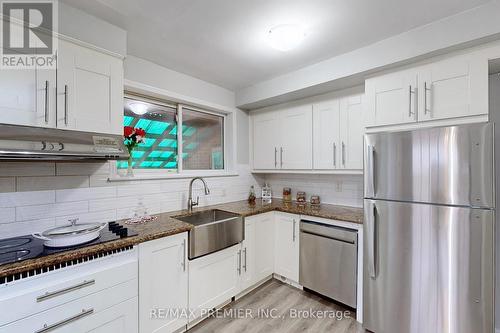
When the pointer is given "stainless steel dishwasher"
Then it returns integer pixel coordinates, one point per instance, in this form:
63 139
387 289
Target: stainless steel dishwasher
328 261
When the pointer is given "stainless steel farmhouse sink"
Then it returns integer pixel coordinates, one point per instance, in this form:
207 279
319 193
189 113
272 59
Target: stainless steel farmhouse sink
213 230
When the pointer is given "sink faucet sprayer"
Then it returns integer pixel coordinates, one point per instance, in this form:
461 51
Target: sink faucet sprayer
191 204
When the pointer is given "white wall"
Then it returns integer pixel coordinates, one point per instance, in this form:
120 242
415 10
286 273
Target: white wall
476 25
82 26
178 84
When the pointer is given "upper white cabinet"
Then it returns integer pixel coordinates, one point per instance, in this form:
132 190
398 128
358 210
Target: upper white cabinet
456 87
267 140
451 88
282 139
391 99
326 117
85 93
27 97
338 133
296 133
89 90
163 282
286 250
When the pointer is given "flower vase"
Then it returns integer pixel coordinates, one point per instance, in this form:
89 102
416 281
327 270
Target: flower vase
130 170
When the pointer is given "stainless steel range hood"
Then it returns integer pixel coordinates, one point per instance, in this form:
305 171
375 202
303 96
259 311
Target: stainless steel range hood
36 143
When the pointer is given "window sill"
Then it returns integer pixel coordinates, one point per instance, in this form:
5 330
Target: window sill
117 178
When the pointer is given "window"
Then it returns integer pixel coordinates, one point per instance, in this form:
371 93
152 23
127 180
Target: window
202 140
202 136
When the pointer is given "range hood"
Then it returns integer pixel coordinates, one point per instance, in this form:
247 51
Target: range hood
37 143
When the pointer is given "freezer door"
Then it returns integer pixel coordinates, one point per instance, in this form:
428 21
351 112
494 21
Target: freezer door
443 165
428 268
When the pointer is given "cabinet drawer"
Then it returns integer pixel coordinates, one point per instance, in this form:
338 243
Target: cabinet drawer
111 310
52 289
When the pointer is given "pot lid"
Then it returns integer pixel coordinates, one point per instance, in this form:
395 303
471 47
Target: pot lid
73 229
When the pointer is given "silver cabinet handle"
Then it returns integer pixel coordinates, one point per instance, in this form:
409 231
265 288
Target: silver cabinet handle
184 255
372 241
410 92
275 157
239 262
60 292
281 157
49 328
343 154
66 104
426 89
245 257
334 154
46 101
293 232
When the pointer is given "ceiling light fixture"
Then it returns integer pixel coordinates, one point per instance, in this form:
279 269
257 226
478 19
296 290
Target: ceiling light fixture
285 37
138 108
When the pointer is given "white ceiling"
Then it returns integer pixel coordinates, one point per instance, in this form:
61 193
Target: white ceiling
224 41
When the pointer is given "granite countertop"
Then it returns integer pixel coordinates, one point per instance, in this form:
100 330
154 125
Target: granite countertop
166 225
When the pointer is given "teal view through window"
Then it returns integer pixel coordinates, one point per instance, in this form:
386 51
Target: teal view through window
202 136
159 122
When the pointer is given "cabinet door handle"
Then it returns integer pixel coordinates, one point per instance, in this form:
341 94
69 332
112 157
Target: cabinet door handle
275 157
46 101
293 232
66 104
281 157
334 155
184 255
245 257
63 291
343 154
426 89
48 328
410 92
239 262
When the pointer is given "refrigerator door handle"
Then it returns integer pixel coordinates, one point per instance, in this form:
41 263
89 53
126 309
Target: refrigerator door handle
371 170
372 241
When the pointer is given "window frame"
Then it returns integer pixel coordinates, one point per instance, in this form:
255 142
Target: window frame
120 174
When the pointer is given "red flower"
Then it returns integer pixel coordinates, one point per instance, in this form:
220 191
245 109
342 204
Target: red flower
140 132
128 131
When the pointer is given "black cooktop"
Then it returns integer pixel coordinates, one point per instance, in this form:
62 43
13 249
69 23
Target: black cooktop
27 247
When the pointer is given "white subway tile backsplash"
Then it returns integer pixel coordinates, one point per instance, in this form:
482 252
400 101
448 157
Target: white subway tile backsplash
7 184
7 215
16 199
82 169
80 194
92 217
51 183
139 188
41 195
25 228
51 210
9 169
345 190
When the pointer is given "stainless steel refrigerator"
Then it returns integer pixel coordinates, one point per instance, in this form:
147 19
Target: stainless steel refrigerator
429 230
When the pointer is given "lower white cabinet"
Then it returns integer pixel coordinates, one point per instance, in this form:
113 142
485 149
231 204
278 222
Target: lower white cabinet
214 279
264 245
163 283
99 295
286 249
248 247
